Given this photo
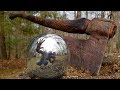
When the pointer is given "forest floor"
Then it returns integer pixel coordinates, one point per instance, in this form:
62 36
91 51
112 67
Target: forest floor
10 69
110 69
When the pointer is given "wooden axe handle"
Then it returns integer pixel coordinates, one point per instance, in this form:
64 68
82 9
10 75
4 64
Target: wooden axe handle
70 26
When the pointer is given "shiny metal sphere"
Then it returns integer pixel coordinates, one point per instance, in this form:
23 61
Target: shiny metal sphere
47 56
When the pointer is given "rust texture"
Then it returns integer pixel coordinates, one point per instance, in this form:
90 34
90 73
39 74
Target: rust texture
88 54
71 26
85 54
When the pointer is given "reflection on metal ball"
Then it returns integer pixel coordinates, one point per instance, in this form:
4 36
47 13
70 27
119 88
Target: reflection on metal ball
47 56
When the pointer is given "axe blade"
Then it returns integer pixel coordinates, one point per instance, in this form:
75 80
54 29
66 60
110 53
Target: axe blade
87 54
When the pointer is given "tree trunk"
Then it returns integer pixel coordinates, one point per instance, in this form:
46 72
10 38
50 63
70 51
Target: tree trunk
87 14
3 53
16 52
102 14
114 45
78 14
9 49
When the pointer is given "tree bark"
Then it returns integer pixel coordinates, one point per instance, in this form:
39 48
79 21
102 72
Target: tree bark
102 14
3 53
78 14
115 42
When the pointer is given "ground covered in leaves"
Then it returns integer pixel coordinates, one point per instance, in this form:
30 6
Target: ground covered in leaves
111 71
10 69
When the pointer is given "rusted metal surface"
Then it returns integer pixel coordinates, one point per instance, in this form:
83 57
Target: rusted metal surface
88 54
85 54
71 26
101 27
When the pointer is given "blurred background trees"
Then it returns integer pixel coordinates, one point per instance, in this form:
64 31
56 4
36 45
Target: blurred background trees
15 35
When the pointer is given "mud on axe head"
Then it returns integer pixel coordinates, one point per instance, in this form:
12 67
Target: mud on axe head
85 54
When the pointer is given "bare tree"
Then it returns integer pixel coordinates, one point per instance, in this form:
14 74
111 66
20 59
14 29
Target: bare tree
86 14
3 53
102 14
77 14
114 45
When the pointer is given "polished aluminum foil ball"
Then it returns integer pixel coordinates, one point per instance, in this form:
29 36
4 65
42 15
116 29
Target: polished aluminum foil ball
47 56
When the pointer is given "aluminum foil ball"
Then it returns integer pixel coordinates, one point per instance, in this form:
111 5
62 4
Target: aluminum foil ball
48 56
